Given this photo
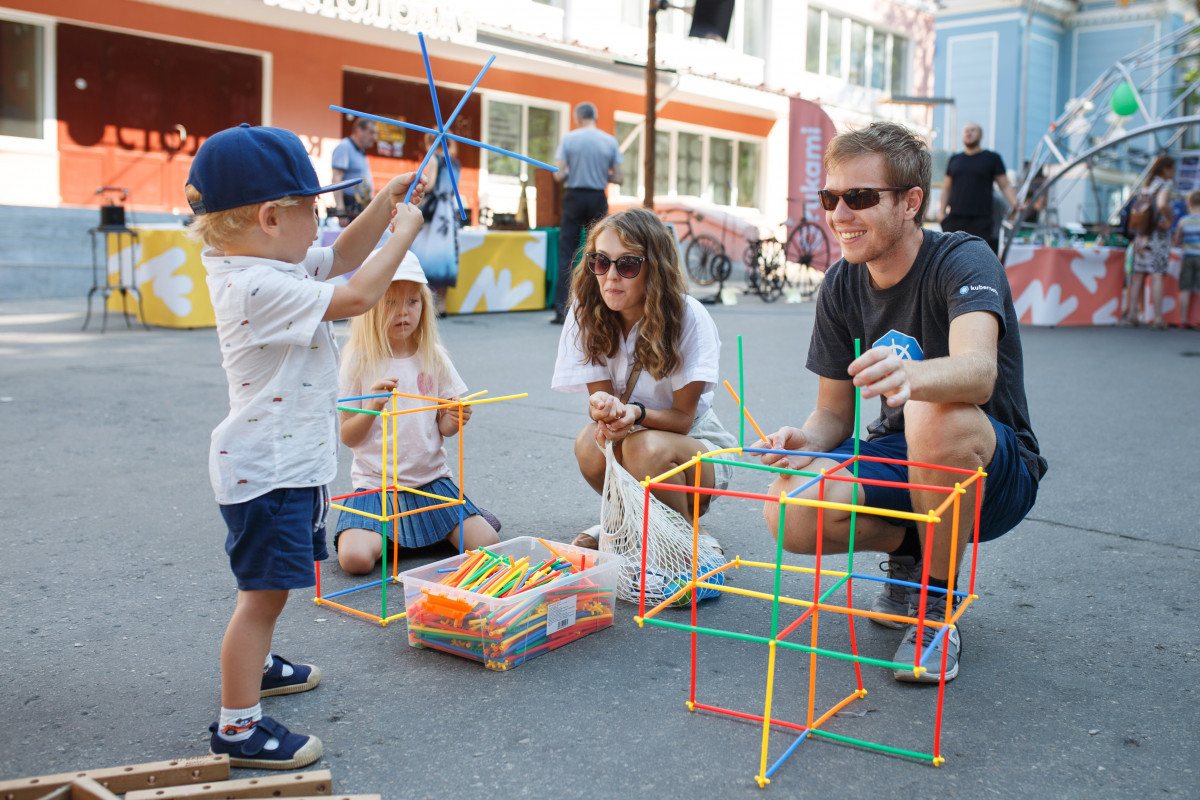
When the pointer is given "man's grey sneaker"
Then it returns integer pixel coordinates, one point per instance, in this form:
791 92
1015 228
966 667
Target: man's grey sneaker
907 652
899 601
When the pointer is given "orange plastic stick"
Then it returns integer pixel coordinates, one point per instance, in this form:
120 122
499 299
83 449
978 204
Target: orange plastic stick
745 411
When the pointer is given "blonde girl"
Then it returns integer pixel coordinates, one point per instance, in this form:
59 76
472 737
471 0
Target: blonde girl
396 345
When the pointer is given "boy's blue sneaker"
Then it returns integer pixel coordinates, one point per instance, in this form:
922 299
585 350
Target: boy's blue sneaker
303 678
294 750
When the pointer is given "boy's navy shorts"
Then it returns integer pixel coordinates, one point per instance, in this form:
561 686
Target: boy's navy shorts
1009 489
275 538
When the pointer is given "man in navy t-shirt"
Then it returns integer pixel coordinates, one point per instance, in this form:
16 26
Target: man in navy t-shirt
967 190
942 352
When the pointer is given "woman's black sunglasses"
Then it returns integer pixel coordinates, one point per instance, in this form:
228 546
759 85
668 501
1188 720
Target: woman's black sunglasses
627 266
856 199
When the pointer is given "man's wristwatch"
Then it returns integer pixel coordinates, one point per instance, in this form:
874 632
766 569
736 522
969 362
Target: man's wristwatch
641 412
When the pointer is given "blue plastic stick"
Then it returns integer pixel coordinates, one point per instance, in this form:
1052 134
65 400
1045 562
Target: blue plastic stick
460 139
437 113
352 589
791 749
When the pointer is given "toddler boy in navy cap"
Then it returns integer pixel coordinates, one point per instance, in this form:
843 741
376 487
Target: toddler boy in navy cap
254 190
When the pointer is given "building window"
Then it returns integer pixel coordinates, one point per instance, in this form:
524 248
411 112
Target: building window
749 157
21 97
662 162
899 83
689 164
855 52
812 54
754 28
720 171
878 60
716 168
833 46
858 54
631 167
747 27
520 128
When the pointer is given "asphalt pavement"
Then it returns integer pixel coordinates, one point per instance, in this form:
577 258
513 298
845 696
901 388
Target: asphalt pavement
1078 676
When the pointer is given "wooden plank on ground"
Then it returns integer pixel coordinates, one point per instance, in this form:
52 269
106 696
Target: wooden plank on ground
299 784
120 780
88 789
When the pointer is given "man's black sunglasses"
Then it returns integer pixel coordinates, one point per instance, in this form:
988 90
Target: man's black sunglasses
856 199
627 266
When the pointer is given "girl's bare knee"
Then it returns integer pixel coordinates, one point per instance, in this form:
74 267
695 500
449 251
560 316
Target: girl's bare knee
355 562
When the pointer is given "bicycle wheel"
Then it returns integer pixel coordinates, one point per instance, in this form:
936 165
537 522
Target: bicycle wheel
772 271
700 256
722 268
808 247
750 262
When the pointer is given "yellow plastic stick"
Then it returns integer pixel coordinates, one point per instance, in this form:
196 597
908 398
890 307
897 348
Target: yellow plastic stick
761 777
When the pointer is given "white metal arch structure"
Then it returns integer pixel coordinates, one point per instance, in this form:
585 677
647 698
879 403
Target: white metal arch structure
1089 130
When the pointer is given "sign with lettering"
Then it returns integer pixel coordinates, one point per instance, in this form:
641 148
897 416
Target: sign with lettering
431 17
810 131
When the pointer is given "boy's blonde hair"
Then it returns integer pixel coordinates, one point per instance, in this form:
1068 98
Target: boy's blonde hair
1193 199
368 348
218 228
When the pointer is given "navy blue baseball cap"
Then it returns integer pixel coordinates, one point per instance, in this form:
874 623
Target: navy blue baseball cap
245 165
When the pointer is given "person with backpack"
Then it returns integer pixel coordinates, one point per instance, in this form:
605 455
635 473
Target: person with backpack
1150 221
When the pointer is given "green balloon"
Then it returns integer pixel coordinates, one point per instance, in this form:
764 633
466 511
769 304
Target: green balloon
1124 99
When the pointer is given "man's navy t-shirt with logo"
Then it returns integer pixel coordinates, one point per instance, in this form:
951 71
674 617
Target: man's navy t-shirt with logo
953 274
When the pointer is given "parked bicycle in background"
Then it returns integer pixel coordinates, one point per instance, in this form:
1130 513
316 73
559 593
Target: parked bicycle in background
775 265
703 254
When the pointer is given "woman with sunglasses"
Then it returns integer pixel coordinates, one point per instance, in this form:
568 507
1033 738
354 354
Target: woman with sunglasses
647 355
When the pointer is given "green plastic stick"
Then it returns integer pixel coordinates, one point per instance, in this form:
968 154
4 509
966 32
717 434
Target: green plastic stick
871 745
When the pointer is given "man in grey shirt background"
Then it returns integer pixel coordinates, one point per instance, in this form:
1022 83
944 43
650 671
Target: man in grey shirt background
588 160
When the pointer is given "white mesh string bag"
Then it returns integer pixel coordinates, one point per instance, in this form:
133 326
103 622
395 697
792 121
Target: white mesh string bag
669 549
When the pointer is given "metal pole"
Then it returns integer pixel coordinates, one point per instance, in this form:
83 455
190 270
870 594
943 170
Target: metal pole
651 111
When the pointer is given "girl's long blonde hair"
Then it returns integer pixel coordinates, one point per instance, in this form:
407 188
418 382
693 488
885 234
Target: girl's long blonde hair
657 348
368 348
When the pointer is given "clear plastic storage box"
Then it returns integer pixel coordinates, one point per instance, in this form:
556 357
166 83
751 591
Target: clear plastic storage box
502 632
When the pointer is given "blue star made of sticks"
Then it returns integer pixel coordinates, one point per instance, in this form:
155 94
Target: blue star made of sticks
442 132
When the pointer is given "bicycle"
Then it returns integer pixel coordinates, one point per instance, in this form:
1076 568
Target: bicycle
704 256
803 253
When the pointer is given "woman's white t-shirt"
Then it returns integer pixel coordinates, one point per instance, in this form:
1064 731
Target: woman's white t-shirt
699 349
417 449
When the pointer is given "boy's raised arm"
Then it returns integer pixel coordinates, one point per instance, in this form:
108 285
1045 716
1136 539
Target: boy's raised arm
366 287
360 237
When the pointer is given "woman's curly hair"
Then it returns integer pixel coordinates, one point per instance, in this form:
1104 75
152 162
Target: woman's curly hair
657 349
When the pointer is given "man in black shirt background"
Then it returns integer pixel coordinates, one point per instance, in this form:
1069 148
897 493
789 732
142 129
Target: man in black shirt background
967 191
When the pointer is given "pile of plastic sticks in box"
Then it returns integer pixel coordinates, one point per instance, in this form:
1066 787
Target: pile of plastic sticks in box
505 631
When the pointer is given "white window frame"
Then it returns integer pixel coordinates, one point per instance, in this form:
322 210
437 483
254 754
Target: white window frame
673 129
524 101
873 30
48 144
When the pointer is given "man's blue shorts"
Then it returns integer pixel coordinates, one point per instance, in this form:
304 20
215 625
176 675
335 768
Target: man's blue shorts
275 538
1009 489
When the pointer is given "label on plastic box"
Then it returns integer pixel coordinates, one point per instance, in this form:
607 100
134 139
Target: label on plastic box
560 615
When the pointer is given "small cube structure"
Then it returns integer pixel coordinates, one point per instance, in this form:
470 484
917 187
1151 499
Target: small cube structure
390 460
